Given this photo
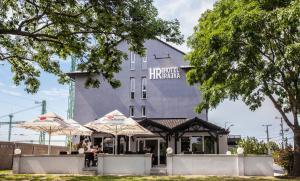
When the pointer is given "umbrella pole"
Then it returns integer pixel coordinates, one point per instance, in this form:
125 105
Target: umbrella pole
116 141
129 143
70 142
49 142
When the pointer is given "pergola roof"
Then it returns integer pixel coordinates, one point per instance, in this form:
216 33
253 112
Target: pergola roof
182 125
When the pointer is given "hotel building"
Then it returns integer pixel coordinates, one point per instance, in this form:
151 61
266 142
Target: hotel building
154 92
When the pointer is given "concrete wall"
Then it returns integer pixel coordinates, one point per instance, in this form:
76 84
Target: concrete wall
139 164
166 98
7 151
255 165
220 165
46 164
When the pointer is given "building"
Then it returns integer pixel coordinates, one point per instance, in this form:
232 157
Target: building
155 92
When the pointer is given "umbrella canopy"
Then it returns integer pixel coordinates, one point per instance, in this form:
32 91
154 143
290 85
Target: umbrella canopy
73 128
49 123
116 123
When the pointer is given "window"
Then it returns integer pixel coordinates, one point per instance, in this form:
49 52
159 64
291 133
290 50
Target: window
185 144
132 87
209 145
197 144
143 111
144 61
131 111
144 87
132 61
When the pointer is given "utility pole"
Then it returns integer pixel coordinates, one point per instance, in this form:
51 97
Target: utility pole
268 138
42 134
9 127
281 132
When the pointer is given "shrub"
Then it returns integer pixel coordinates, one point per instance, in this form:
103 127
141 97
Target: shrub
285 158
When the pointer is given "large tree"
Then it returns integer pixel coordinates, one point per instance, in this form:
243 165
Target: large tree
44 32
250 49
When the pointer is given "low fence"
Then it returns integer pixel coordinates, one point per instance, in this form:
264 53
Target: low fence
7 151
220 165
135 164
48 164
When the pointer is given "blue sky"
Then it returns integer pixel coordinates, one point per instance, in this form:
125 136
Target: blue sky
12 98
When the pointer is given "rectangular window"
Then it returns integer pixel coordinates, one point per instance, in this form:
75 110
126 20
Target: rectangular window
132 61
197 144
185 144
209 147
143 111
144 61
144 87
131 111
132 87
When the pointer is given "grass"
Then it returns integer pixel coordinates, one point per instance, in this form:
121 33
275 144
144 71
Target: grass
7 175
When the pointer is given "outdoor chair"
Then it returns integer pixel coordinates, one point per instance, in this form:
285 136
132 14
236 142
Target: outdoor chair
63 153
74 152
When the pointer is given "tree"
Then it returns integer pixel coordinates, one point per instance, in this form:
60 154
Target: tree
39 32
252 146
250 50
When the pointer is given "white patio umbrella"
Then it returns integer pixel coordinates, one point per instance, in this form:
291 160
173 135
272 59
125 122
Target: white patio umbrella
73 128
116 123
49 123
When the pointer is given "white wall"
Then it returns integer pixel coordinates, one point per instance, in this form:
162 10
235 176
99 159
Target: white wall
43 164
136 164
220 165
256 165
223 145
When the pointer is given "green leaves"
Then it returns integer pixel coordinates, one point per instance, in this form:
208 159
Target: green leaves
34 32
249 50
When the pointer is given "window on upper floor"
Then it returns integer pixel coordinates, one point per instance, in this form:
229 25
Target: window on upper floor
144 87
144 61
132 87
143 111
131 111
132 61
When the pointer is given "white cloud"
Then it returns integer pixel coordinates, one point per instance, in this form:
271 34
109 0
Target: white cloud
187 12
12 93
56 92
13 86
1 84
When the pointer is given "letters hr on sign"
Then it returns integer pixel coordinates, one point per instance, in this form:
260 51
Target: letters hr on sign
164 73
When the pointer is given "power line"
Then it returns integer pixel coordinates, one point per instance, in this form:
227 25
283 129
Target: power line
23 110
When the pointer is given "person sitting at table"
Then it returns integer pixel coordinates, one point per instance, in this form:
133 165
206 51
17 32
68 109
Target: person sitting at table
90 156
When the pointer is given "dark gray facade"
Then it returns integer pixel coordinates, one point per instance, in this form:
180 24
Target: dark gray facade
168 96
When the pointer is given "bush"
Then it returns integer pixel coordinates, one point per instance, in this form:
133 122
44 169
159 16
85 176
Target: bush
252 146
285 158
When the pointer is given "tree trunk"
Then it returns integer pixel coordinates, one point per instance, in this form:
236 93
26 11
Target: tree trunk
296 169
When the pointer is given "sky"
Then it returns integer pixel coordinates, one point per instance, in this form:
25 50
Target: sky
14 99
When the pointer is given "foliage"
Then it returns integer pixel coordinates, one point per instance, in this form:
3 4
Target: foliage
7 175
285 158
252 146
273 146
248 49
42 32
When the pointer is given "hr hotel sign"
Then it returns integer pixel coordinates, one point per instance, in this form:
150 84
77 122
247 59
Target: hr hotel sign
164 73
